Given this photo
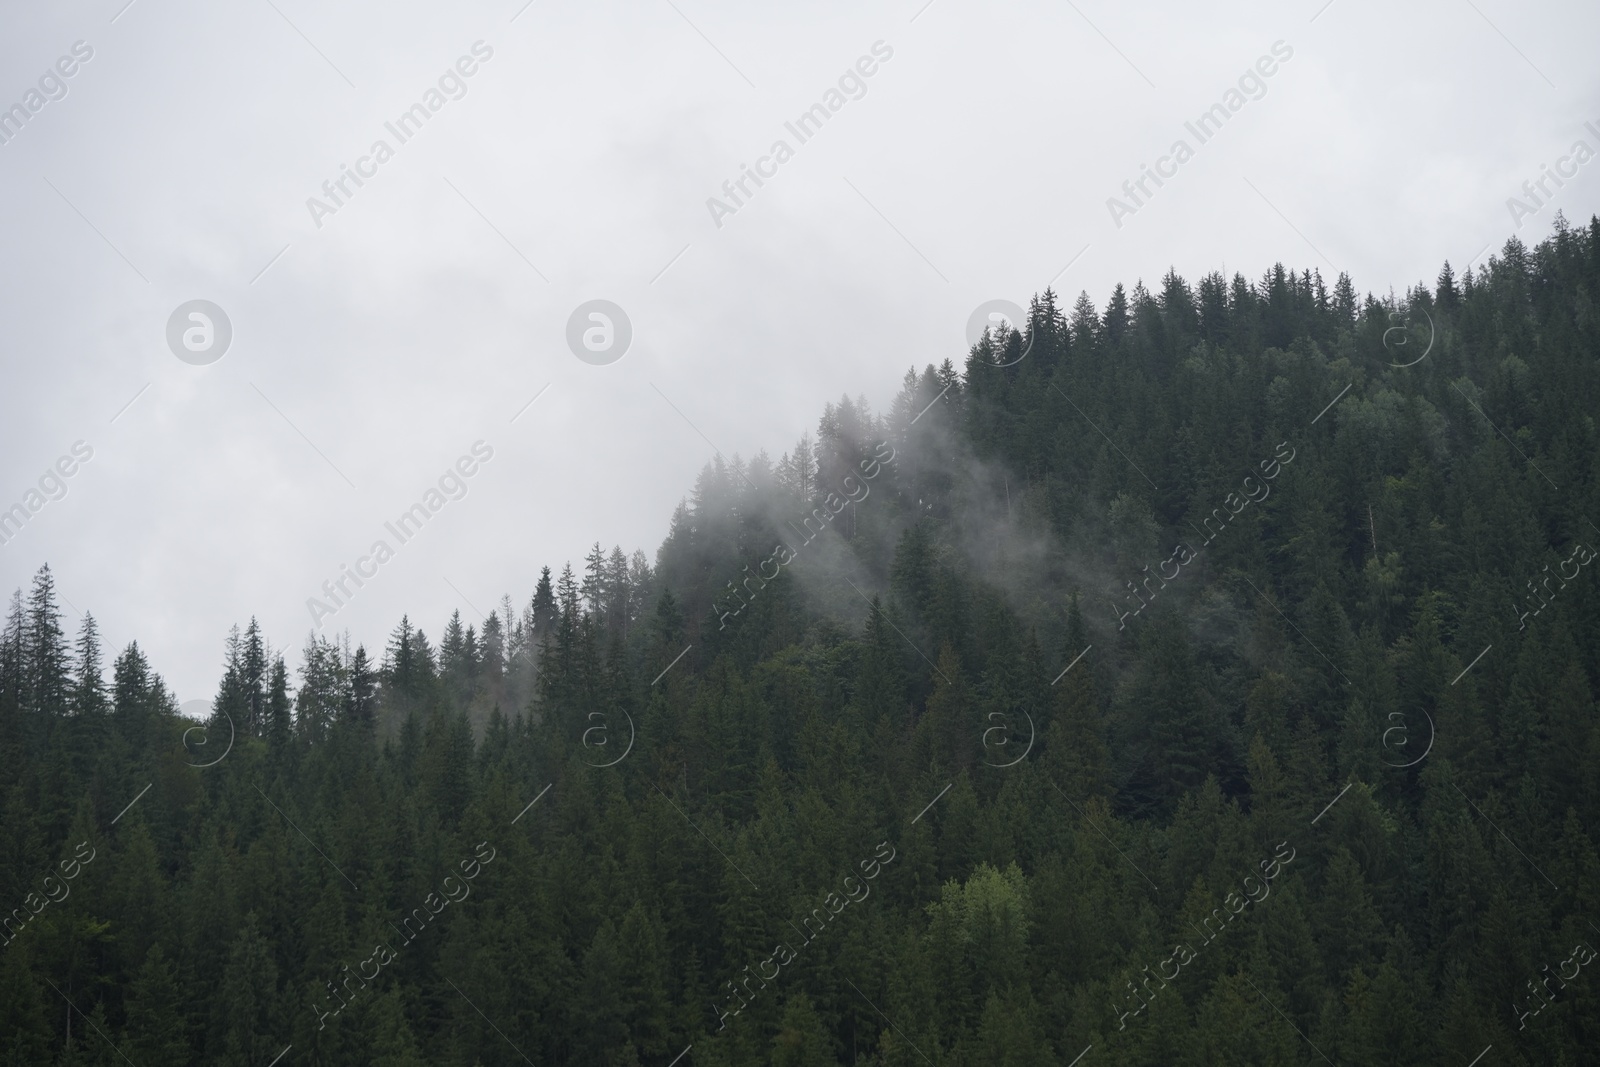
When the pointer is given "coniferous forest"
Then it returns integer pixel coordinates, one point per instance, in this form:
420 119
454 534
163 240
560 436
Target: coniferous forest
1204 678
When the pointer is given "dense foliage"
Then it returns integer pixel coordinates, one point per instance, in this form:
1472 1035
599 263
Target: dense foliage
953 736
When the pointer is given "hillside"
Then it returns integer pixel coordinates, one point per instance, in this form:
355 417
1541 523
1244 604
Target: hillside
1205 678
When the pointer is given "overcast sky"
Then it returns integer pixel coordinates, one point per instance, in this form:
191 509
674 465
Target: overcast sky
372 345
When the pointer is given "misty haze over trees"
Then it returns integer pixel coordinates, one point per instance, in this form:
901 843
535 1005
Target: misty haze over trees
973 771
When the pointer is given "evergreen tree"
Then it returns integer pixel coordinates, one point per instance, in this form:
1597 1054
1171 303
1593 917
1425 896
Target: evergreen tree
253 1021
88 685
47 657
279 720
1330 796
363 692
157 1028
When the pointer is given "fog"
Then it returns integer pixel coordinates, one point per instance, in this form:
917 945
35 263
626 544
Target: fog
425 313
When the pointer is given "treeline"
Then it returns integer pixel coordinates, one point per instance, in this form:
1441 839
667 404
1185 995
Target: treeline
1207 678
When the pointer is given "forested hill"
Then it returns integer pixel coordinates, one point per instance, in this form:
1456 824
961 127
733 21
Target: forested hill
1205 679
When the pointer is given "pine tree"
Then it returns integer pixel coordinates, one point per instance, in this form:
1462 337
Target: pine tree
880 685
252 1022
324 689
253 679
135 698
280 724
47 658
88 685
492 658
406 672
1446 293
157 1029
593 587
543 612
1115 322
801 1040
14 696
363 693
25 1033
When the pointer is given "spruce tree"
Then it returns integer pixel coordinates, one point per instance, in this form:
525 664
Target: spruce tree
47 658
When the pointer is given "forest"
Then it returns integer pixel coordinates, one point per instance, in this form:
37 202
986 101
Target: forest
959 734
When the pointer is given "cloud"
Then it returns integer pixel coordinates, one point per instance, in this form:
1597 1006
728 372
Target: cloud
434 305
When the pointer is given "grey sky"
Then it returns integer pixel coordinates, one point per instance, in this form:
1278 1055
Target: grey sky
415 321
